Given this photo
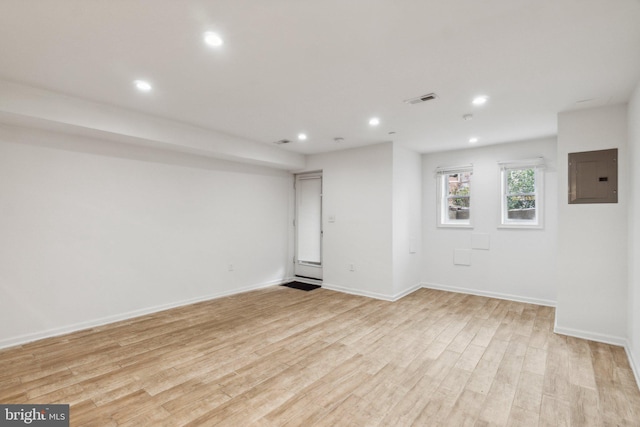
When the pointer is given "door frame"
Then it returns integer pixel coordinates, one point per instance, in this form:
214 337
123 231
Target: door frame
308 270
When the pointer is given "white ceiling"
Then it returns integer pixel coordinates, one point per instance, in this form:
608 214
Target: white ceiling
325 67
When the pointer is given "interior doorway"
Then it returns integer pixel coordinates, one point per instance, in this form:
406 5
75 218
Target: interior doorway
308 226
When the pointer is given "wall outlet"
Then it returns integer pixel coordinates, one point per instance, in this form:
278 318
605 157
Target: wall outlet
352 267
230 267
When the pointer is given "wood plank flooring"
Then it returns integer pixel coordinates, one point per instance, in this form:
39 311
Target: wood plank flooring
284 357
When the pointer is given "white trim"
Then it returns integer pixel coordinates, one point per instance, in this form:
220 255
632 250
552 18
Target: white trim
498 295
303 280
26 338
309 175
407 291
442 170
591 336
302 267
632 363
360 292
455 225
537 162
513 225
442 195
538 223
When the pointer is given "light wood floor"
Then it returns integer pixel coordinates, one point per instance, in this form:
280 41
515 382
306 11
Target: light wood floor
281 356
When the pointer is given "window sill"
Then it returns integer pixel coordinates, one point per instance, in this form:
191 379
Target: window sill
522 226
455 226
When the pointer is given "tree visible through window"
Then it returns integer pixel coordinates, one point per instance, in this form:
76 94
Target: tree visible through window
522 193
459 196
454 196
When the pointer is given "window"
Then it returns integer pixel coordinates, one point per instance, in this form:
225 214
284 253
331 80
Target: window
522 184
454 196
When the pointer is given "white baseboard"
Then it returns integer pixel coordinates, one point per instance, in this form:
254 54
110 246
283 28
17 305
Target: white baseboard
358 292
632 363
498 295
591 336
368 294
408 291
26 338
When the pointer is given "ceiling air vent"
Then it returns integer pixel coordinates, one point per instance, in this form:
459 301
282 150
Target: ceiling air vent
423 98
282 141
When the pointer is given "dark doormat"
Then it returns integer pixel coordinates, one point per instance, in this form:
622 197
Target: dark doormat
301 286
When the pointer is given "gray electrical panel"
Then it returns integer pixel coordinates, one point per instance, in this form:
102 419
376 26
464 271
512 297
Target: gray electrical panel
593 177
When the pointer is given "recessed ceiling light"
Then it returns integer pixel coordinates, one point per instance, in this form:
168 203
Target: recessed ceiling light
142 85
302 136
213 39
480 100
374 121
473 140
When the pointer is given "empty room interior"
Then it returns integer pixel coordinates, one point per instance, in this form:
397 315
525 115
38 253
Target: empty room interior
288 213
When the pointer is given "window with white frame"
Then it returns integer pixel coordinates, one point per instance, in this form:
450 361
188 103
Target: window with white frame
454 196
522 198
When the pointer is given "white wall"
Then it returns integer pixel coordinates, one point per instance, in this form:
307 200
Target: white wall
94 231
407 220
38 108
520 263
592 238
634 230
357 189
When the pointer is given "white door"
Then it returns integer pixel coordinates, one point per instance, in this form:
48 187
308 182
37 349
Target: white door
308 226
